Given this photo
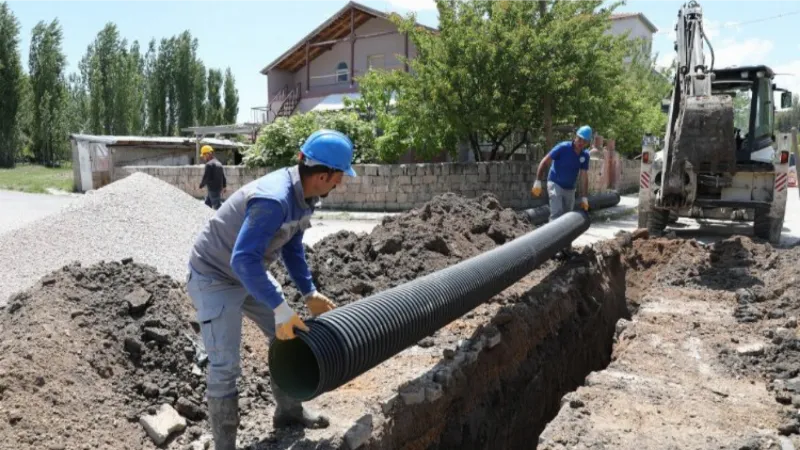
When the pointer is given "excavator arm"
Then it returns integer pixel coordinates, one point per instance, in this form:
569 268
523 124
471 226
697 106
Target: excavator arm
700 133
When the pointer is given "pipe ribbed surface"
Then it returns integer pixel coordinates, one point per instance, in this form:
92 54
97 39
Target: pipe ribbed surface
603 200
354 338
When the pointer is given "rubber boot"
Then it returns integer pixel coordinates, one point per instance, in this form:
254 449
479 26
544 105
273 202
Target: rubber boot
290 411
224 418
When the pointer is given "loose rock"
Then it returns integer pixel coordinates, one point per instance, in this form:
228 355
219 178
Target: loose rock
161 425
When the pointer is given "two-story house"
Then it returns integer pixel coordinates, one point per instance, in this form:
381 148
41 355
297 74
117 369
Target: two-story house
319 71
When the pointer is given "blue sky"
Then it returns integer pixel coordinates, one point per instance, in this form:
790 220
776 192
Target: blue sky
246 35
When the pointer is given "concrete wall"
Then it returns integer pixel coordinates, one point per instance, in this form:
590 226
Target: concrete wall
136 156
404 186
632 24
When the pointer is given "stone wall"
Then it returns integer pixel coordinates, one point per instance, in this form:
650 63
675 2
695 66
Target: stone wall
403 186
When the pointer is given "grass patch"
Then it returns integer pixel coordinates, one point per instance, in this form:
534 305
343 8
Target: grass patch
36 179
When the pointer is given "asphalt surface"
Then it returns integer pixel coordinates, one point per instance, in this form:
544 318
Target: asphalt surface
22 208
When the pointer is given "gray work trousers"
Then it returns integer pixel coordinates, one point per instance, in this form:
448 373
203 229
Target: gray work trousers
214 199
220 307
561 200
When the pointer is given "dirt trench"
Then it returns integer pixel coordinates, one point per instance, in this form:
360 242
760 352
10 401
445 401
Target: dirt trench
623 335
550 338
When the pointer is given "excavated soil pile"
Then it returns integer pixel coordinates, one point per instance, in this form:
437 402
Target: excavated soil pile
348 266
88 351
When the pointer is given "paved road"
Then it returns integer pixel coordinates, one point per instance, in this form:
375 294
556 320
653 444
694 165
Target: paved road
707 231
20 208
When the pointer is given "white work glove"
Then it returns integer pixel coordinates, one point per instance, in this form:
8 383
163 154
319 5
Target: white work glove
285 322
537 188
317 303
585 204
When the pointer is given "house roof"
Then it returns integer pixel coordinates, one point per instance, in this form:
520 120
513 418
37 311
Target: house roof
336 27
154 140
640 16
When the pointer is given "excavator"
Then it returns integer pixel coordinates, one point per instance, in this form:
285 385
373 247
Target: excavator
719 158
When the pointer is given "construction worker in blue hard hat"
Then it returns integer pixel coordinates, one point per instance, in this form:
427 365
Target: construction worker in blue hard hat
569 160
228 276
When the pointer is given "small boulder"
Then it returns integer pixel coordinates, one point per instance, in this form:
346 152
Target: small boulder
162 424
138 301
754 349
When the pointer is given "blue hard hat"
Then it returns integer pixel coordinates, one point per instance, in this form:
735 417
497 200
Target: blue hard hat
585 133
330 148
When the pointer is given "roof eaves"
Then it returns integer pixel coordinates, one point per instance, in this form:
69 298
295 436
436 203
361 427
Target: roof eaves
317 30
351 4
641 16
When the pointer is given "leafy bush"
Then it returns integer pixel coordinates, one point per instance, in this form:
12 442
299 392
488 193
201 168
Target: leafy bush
279 142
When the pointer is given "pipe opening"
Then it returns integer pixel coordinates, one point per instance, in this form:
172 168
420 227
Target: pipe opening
298 373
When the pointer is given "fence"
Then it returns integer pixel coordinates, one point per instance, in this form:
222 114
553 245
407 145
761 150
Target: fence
400 187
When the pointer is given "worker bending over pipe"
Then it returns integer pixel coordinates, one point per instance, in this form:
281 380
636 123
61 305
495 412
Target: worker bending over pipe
570 159
228 279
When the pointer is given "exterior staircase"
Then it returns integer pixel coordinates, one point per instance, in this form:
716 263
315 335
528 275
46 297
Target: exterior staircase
288 101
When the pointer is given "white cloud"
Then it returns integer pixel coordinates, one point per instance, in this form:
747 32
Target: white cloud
733 52
788 75
413 5
664 60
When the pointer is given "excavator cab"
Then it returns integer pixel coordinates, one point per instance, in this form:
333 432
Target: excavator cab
752 91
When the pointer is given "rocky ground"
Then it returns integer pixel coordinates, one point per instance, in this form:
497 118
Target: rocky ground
116 341
713 327
108 355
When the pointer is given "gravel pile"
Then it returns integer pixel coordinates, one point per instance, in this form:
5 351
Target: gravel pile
139 216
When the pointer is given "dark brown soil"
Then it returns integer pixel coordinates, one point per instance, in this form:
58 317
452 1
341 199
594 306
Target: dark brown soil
88 350
347 266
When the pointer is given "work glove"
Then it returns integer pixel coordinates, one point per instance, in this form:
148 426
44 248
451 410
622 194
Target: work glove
285 322
318 303
585 204
537 188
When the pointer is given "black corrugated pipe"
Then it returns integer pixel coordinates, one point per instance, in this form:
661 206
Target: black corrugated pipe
541 214
352 339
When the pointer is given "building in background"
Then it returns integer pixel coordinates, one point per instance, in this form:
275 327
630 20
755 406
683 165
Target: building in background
94 158
318 72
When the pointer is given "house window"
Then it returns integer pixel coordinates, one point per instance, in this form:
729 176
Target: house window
342 72
375 62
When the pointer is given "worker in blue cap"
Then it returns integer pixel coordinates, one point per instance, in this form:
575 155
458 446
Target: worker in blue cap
569 160
228 278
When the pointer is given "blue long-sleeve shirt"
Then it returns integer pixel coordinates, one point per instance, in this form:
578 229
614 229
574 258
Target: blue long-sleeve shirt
262 220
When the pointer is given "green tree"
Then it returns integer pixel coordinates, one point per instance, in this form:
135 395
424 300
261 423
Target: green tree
278 143
214 110
231 98
785 120
200 86
10 86
137 94
184 75
77 104
113 83
499 72
46 67
636 101
25 118
156 95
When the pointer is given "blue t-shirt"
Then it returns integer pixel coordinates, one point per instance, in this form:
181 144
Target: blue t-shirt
566 165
